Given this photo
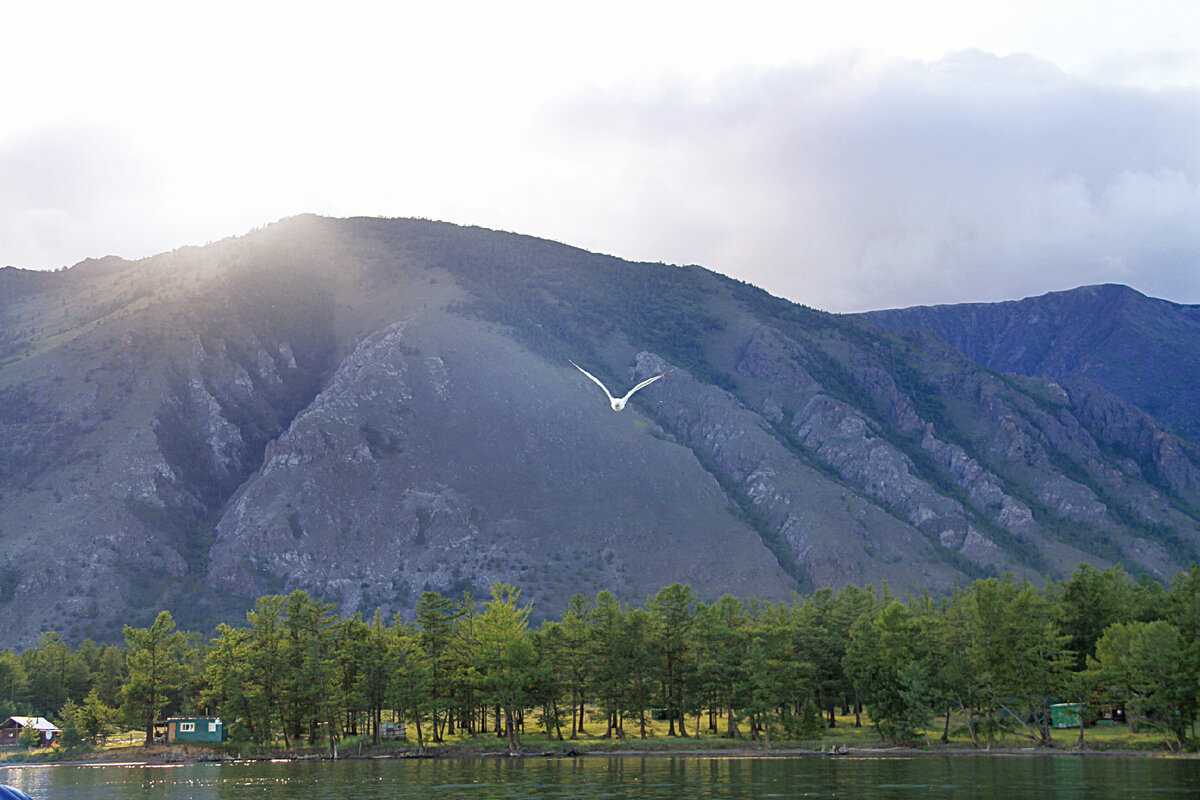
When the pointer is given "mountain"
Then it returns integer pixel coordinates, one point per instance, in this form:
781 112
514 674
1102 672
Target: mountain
369 408
1142 349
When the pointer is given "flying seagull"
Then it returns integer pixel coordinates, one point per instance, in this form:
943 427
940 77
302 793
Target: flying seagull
617 403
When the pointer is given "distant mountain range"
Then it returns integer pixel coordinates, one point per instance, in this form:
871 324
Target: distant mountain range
369 408
1139 348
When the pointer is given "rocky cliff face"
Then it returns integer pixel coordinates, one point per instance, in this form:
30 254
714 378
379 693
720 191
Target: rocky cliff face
442 457
366 409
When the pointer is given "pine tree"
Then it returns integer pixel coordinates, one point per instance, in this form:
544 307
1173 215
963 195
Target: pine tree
410 688
506 656
157 669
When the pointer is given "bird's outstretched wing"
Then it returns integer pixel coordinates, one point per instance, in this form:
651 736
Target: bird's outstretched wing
641 385
601 385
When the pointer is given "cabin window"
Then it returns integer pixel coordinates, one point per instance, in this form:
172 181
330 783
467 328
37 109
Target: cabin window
212 727
187 727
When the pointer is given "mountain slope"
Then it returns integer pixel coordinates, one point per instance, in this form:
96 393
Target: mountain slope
368 408
1139 348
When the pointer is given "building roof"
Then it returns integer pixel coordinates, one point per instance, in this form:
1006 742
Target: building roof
37 723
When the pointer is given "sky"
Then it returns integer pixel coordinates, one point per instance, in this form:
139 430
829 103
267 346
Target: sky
848 156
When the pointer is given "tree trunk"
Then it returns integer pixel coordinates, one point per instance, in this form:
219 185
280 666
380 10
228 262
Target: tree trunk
679 708
513 741
557 718
641 707
970 725
420 739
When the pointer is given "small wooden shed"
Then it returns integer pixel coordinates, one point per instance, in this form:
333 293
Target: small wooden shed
10 730
195 729
1066 715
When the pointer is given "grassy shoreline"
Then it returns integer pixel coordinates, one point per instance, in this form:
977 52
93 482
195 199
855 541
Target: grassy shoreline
230 753
843 739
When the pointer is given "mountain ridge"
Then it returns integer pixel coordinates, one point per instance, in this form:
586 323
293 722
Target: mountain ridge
369 408
1138 347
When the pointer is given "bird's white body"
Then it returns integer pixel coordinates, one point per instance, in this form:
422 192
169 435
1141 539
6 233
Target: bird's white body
617 403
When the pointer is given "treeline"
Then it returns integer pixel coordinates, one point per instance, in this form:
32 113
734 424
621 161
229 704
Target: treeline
992 656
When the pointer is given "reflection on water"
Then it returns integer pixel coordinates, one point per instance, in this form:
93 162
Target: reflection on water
929 777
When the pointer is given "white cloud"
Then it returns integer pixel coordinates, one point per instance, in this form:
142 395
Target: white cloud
68 184
831 152
856 183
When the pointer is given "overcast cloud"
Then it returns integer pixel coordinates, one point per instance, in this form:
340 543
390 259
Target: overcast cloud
830 153
857 184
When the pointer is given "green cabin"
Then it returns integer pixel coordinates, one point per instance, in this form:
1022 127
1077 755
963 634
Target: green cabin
195 729
1065 715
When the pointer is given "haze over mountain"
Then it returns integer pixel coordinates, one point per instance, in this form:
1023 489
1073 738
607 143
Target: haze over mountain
367 408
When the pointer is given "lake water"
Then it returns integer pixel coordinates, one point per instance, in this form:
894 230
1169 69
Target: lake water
928 777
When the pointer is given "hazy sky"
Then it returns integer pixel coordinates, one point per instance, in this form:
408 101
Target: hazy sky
846 155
